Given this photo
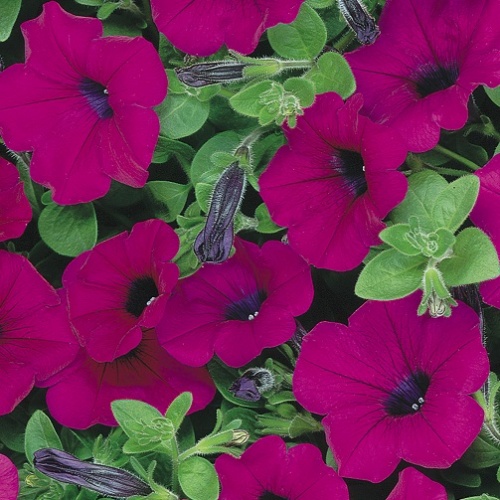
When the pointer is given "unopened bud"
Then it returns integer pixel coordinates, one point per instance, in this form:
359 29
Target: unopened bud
105 480
359 20
210 73
252 384
215 240
240 436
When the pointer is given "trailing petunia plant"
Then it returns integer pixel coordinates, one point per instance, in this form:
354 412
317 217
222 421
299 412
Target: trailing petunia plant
249 249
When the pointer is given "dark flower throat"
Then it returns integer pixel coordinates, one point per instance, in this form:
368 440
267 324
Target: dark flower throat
245 308
432 78
97 97
267 495
350 166
409 396
141 291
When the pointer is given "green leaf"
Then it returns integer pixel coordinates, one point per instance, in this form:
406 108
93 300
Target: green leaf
302 39
106 10
182 115
332 73
484 496
459 475
265 223
301 88
395 236
203 169
9 10
145 426
91 3
320 4
493 94
178 409
198 479
40 433
423 189
454 203
481 454
247 101
68 230
474 259
390 275
166 199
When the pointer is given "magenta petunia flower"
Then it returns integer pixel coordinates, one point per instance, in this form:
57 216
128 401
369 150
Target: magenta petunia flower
9 479
83 103
121 287
334 182
201 27
430 56
237 308
485 216
394 386
413 485
36 339
146 373
268 470
15 209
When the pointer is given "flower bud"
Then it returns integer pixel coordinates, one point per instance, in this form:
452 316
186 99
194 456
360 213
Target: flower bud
214 242
252 384
359 20
210 73
105 480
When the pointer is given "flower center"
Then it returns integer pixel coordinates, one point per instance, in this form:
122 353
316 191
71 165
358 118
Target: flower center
97 97
267 495
140 295
432 78
246 308
351 167
409 396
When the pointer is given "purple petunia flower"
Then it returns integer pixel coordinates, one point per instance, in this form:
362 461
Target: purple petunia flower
334 182
82 103
36 339
430 56
485 216
201 27
394 386
268 470
121 287
9 479
413 485
237 308
15 210
146 373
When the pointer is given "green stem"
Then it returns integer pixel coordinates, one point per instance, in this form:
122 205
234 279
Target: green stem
448 171
175 466
223 92
297 64
455 156
344 42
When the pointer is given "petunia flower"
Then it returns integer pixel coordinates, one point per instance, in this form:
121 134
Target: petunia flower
120 287
36 339
430 56
108 481
201 27
267 470
9 479
15 209
237 308
82 102
413 485
394 386
146 373
485 216
334 182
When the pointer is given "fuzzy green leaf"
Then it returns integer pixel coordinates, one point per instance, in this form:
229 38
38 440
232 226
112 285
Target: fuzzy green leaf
474 259
40 433
332 73
166 199
182 115
178 409
390 275
198 479
304 38
395 236
247 101
68 230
